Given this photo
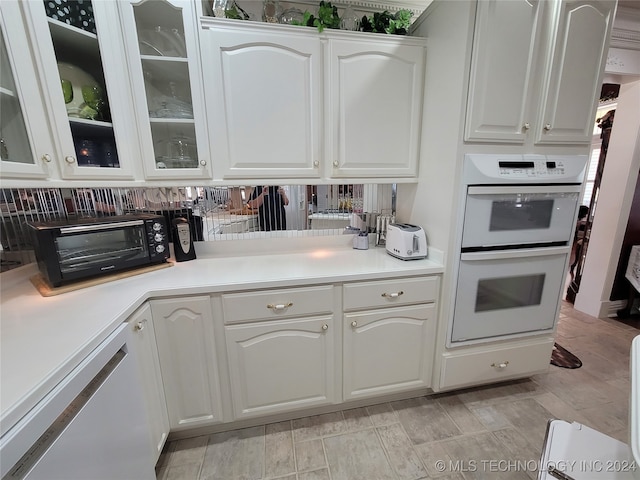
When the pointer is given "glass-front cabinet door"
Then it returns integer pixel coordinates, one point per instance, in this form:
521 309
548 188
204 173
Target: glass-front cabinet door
80 55
163 52
26 148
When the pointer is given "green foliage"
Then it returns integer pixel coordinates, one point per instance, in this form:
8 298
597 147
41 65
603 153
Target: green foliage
379 22
385 22
327 17
236 12
399 25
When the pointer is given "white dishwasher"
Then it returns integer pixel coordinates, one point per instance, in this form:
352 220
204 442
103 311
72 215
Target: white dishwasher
90 426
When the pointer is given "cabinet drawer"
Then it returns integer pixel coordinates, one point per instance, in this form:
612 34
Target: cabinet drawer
386 293
274 304
499 364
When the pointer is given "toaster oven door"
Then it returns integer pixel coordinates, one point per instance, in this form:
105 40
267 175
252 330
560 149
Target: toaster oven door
90 250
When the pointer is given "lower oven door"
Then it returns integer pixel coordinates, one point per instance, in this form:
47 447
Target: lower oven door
507 292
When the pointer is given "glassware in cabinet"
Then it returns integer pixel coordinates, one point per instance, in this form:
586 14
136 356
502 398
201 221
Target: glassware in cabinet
163 56
88 96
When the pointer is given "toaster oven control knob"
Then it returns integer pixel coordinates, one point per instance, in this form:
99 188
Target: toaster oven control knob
157 227
158 237
159 248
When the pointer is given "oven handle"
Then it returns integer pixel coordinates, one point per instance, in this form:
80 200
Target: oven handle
512 189
517 253
93 228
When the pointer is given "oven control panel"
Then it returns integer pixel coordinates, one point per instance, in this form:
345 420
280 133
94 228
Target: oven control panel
535 168
484 168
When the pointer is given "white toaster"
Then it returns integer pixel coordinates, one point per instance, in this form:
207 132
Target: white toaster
406 241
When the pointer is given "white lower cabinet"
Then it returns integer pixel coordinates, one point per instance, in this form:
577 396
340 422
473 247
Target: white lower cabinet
282 365
388 350
475 366
143 342
290 349
184 334
388 335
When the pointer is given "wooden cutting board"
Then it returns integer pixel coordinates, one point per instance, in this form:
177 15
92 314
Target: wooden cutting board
47 290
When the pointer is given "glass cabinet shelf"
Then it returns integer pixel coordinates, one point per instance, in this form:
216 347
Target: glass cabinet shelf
166 50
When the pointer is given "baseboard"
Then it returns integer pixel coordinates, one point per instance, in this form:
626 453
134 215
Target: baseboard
611 308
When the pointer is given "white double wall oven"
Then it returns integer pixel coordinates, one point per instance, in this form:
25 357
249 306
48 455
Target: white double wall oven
516 233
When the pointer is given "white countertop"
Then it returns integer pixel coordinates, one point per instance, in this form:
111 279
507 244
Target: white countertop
43 339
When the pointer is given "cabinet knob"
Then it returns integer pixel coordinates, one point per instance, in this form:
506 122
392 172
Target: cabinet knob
526 126
69 159
393 295
203 163
547 127
325 327
316 163
335 163
139 326
280 306
500 366
46 158
354 324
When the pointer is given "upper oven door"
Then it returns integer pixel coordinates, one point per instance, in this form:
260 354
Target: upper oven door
91 249
519 215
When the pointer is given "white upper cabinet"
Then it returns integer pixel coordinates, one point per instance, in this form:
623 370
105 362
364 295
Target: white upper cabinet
374 101
287 102
502 70
163 61
22 154
536 70
572 85
264 100
78 53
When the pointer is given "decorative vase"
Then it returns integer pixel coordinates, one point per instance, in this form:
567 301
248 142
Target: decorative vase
349 20
271 11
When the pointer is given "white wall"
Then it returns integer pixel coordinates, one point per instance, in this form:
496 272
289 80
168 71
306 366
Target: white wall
614 203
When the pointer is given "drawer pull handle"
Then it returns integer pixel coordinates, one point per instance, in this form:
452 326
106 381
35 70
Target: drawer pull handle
325 327
393 295
354 324
500 365
280 306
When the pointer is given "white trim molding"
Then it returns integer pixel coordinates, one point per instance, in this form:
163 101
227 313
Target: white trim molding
626 29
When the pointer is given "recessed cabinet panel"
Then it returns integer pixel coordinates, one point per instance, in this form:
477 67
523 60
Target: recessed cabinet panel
536 70
281 365
264 98
571 89
375 102
184 333
502 70
387 351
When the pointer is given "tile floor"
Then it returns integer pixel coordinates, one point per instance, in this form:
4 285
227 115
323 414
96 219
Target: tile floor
493 432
